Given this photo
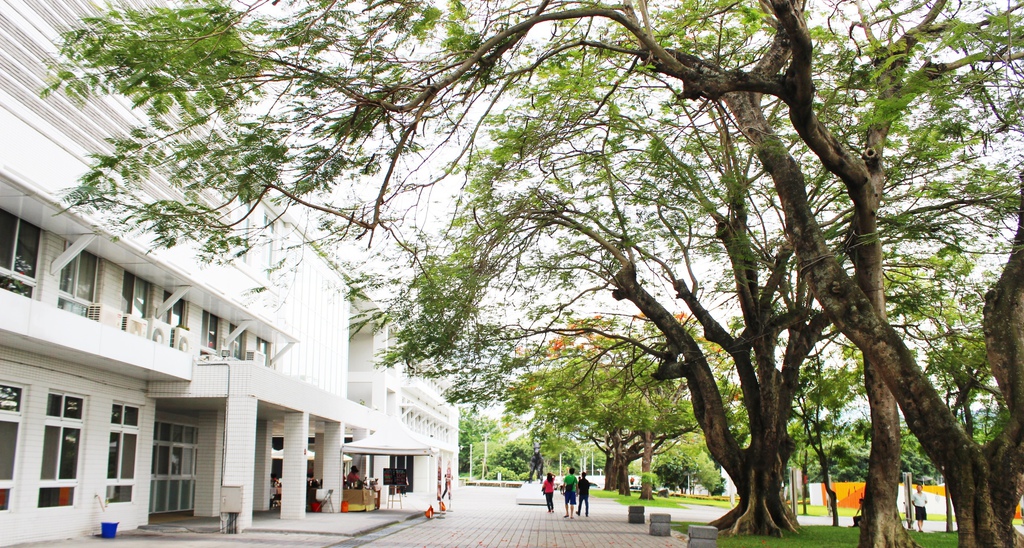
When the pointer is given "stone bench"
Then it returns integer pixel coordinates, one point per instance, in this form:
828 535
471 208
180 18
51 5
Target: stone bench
661 525
636 514
703 536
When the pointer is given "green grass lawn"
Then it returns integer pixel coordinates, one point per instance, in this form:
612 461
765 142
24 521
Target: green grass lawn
815 536
810 536
634 499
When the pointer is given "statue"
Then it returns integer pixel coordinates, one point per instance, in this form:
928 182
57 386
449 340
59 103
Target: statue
536 463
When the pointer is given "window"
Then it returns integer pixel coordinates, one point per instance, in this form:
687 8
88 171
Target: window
124 434
211 331
237 345
78 284
268 247
10 420
61 441
176 314
264 347
19 248
134 295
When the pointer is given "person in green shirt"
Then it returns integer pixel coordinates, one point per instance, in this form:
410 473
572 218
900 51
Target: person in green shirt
570 483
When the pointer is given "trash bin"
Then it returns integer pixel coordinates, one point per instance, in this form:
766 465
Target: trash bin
108 529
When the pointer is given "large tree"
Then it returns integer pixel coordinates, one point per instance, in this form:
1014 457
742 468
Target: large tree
920 96
599 390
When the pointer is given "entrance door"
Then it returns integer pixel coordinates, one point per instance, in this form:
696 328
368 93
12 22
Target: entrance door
174 468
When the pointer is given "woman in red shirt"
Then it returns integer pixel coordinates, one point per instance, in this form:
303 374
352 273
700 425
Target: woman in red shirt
548 487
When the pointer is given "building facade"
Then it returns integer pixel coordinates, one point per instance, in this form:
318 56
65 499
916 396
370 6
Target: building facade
136 380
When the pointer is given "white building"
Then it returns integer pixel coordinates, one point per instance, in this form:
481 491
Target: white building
135 381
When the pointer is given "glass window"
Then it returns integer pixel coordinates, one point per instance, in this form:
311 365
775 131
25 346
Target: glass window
56 496
237 345
211 330
134 295
8 448
119 493
10 417
10 399
61 442
121 452
19 250
131 416
78 278
176 314
73 407
78 284
54 405
60 453
268 247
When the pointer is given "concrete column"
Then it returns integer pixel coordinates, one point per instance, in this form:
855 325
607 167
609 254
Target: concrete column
209 461
330 455
318 449
240 449
293 469
261 473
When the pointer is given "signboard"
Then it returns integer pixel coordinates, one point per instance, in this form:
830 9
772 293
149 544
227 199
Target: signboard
395 476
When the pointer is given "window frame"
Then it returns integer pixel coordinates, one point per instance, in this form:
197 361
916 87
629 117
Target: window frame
122 429
211 326
10 278
78 305
63 423
15 417
128 306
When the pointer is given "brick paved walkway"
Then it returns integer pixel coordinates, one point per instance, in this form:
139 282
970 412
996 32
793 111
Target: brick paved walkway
486 517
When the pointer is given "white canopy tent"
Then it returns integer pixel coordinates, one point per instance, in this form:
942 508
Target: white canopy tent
393 439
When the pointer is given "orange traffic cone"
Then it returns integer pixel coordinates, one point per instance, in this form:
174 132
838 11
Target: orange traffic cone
429 513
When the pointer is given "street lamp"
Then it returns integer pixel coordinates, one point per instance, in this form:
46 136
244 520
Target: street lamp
483 475
471 462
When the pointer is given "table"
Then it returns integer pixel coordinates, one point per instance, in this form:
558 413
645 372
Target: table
360 500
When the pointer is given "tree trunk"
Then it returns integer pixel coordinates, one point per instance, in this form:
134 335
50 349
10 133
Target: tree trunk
830 493
762 509
984 482
881 525
646 489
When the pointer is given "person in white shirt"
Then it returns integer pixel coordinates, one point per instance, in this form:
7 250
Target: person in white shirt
918 500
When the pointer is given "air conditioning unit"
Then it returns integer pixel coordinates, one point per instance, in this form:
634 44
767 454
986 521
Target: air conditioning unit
184 340
104 314
134 325
254 356
225 353
159 332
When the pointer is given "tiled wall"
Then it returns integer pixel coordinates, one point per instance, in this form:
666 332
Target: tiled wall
38 376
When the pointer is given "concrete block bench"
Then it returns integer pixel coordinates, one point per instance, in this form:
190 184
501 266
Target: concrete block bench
703 536
636 514
661 525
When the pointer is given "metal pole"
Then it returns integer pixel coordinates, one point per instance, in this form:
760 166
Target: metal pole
483 475
471 462
908 488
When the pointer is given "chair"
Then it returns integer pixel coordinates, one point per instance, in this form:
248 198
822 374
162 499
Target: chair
328 502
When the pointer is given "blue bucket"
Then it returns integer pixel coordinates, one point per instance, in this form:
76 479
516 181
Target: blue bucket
108 529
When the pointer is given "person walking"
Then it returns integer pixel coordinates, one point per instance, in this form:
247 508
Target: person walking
548 488
920 512
570 483
584 489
